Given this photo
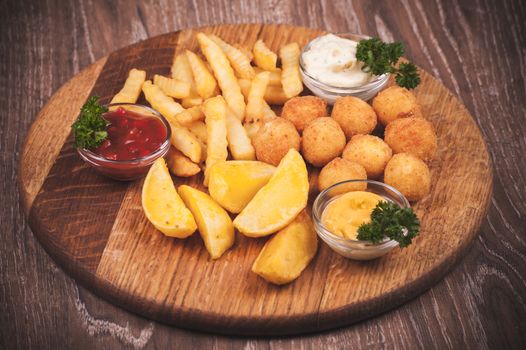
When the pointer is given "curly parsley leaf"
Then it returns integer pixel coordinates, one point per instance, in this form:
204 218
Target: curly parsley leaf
391 221
90 127
379 58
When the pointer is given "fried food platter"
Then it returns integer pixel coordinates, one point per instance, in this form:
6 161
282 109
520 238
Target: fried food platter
94 228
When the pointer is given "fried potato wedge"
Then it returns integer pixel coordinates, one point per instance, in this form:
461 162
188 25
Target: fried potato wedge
215 110
162 205
239 61
290 75
132 87
225 75
205 82
263 56
160 102
235 182
255 101
288 252
277 203
180 165
214 223
239 142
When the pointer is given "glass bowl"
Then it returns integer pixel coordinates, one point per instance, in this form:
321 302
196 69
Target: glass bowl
330 92
126 170
350 248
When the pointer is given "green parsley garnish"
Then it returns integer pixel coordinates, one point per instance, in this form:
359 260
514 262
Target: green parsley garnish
90 127
390 220
379 58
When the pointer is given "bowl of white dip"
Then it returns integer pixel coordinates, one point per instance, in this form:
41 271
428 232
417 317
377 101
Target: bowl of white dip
329 68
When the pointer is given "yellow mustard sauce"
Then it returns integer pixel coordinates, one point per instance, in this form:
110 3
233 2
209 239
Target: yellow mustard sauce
347 212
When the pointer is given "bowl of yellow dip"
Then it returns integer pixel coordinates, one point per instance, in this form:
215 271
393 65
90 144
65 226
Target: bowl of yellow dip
339 211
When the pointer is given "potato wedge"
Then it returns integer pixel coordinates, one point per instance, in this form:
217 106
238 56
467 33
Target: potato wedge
132 87
239 143
179 164
264 57
214 223
205 83
160 102
239 61
225 75
215 110
278 202
255 101
274 94
190 115
290 75
288 252
172 87
235 182
162 205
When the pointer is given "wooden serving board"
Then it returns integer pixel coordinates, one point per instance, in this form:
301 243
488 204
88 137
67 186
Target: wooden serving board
95 229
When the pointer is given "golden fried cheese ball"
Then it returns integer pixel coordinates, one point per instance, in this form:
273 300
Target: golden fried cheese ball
412 135
322 141
409 175
338 170
369 151
274 139
396 102
354 115
302 110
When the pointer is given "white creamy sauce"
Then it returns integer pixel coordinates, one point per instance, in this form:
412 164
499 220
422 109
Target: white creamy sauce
332 60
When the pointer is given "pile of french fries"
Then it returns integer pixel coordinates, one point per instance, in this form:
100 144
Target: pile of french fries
216 104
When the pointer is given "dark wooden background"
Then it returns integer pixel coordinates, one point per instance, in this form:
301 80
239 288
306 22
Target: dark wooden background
477 48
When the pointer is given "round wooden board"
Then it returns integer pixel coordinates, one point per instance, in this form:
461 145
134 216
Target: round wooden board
95 229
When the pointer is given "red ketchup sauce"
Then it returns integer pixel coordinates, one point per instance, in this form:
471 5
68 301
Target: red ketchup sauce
131 135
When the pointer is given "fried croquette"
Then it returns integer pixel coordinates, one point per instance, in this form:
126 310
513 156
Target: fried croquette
338 170
322 141
409 175
274 139
412 135
369 151
304 109
396 102
354 115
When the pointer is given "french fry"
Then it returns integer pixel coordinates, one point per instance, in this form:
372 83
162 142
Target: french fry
238 141
190 102
190 115
205 83
172 87
275 75
185 141
160 102
253 128
290 74
132 87
274 94
199 130
245 51
268 113
180 165
224 73
255 99
263 56
181 70
238 60
215 110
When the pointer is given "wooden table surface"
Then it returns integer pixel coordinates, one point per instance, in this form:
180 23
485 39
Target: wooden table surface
477 48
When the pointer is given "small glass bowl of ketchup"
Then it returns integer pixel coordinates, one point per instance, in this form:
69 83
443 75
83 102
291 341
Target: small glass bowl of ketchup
137 136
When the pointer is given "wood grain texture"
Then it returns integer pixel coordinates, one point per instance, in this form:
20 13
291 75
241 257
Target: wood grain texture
476 48
96 230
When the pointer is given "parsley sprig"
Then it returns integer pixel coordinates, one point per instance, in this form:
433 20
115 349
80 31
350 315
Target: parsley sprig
90 127
390 220
379 58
